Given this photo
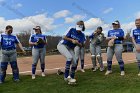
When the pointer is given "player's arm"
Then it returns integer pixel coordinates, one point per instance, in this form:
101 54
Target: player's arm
68 39
20 46
79 44
135 45
72 40
46 41
17 42
110 37
134 42
133 39
31 41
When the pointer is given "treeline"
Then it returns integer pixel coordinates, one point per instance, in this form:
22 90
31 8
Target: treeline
54 40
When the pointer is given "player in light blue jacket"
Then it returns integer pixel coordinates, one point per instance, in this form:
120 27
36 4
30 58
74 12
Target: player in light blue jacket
96 39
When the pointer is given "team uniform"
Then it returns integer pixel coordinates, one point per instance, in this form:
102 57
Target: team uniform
80 53
66 48
136 35
38 52
95 49
116 49
9 56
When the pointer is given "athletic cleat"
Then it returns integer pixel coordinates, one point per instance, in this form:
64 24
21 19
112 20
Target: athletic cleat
108 72
122 73
82 70
1 82
67 79
72 81
94 69
139 74
101 69
33 76
43 74
16 80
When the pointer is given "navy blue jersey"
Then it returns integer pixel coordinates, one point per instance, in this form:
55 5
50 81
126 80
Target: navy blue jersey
34 38
118 33
91 36
8 41
73 34
136 35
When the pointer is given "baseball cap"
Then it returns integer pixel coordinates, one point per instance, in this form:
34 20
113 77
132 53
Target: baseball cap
115 23
36 28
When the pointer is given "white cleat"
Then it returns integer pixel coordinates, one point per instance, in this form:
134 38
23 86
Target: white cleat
139 74
72 81
82 70
67 79
1 82
43 74
108 72
95 69
33 76
122 73
101 69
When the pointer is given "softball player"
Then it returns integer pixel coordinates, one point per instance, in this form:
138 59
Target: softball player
80 53
9 55
115 38
72 37
136 41
96 38
38 41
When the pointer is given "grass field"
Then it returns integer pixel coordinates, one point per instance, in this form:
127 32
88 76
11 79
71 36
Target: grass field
89 82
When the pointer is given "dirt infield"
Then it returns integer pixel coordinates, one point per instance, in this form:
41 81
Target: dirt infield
55 62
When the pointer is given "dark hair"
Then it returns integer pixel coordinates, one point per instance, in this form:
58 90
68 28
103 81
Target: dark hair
100 28
82 23
138 19
8 26
118 24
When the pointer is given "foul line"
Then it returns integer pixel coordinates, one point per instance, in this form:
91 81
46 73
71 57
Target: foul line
24 72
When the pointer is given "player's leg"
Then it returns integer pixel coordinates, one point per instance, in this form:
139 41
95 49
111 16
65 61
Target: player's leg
3 71
110 53
4 64
99 57
42 60
82 55
138 60
118 54
65 52
35 55
14 66
73 67
77 54
93 56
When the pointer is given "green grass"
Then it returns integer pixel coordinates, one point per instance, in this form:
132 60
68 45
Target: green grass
89 82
